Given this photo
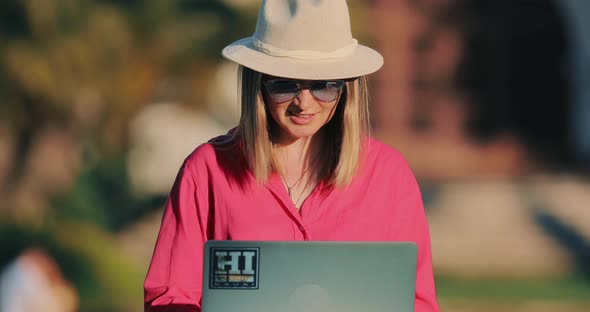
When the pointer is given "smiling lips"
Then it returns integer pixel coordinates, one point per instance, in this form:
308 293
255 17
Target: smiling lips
301 119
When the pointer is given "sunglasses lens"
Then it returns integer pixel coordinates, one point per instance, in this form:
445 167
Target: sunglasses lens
285 90
282 90
327 91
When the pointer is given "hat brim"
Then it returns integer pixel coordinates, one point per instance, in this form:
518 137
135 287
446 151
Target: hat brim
362 62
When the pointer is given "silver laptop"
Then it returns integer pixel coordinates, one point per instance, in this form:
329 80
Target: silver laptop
254 276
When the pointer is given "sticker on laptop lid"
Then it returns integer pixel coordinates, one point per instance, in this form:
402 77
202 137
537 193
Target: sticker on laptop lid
233 268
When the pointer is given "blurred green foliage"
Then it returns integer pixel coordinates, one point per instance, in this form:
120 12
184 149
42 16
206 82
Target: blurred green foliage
103 196
569 288
55 51
87 66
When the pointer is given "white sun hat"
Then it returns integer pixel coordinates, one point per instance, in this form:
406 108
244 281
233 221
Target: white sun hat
304 39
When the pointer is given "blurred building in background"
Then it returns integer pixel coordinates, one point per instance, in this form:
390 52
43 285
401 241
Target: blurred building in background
489 83
487 100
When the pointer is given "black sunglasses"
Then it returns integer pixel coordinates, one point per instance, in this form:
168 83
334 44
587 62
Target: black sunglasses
283 90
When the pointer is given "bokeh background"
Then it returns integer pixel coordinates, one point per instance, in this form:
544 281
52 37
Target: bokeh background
101 100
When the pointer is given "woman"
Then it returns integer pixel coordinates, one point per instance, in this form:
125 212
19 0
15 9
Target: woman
300 164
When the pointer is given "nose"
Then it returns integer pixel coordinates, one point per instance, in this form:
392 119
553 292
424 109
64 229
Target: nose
305 100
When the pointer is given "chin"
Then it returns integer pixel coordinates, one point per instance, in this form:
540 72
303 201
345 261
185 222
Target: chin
302 133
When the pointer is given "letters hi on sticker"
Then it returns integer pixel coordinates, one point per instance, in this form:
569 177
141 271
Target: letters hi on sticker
233 268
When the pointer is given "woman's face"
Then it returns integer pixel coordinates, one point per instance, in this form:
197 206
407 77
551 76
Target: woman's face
300 107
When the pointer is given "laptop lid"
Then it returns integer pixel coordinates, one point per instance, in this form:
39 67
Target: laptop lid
271 276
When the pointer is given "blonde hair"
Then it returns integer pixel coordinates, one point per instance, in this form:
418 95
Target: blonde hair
343 139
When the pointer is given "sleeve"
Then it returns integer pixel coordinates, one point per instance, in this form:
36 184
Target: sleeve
174 278
416 229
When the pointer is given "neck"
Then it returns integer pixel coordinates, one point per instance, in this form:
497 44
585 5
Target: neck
297 165
295 157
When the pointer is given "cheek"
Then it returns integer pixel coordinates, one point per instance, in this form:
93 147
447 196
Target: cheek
275 114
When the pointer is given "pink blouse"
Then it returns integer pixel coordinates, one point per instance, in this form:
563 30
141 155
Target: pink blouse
215 198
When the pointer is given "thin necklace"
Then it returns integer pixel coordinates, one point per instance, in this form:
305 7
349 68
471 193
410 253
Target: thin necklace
290 187
297 203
